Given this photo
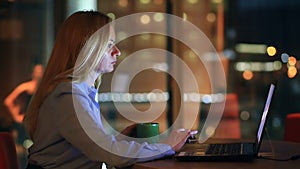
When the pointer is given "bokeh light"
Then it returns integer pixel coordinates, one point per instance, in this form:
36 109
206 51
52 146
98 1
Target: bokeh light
217 1
245 115
292 61
284 57
292 72
277 65
145 19
145 1
123 3
276 122
271 50
248 75
211 17
158 17
192 1
258 66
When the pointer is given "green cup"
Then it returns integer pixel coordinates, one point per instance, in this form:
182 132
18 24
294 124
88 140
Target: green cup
148 131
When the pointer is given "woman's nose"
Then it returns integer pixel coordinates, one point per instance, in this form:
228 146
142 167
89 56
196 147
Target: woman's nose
116 51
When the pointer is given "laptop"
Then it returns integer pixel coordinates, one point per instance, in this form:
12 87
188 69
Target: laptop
239 151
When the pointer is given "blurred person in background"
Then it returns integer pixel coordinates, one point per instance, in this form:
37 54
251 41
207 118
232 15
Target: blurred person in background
17 102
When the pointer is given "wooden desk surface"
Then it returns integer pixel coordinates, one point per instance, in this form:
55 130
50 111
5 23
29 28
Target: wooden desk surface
277 149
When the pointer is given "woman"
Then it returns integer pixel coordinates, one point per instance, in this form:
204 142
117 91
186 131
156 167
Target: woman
18 100
64 120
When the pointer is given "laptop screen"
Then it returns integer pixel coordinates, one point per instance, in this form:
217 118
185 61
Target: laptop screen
265 113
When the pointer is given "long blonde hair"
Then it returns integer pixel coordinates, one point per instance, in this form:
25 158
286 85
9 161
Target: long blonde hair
78 49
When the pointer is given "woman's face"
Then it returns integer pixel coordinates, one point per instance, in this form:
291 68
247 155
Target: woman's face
109 58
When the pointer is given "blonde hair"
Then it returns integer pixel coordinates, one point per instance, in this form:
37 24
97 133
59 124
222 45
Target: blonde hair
78 49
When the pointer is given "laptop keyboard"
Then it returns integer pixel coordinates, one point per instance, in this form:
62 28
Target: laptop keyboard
219 149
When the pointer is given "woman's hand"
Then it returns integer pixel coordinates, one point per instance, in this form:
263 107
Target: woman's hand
177 138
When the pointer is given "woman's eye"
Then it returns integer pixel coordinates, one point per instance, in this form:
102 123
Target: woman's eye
110 45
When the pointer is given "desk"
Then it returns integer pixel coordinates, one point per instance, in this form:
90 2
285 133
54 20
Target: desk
280 150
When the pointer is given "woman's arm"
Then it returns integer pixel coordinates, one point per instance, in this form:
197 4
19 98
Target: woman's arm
13 108
80 125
